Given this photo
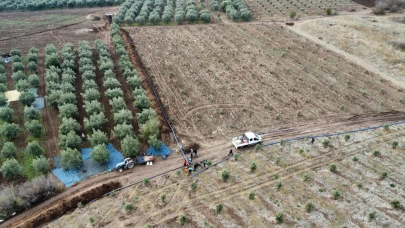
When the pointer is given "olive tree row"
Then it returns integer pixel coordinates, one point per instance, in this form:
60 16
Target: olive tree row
53 4
121 114
149 125
236 9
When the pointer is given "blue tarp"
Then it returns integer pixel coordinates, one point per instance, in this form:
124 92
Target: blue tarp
38 103
7 60
89 167
86 153
115 157
163 151
67 177
33 91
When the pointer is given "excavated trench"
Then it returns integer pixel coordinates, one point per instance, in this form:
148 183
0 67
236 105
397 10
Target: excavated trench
66 205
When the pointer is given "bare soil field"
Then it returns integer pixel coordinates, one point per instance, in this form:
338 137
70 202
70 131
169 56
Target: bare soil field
280 10
24 30
365 36
219 80
295 181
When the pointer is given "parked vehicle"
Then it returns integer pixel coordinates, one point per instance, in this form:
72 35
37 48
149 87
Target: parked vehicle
247 139
128 163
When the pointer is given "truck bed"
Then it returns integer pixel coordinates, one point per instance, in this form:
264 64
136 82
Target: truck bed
239 143
143 159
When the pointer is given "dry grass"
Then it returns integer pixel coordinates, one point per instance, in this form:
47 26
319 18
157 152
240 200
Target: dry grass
361 190
365 37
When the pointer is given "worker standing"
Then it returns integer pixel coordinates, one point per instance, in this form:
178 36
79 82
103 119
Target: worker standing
83 137
195 153
204 162
190 170
312 140
185 162
230 153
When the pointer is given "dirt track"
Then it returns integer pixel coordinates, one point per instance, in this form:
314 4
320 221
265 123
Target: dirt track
213 153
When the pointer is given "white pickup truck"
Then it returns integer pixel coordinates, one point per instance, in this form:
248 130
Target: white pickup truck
247 139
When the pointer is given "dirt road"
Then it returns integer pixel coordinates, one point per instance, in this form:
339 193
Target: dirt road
213 153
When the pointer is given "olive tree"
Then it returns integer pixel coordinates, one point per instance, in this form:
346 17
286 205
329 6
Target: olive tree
71 158
68 110
3 99
150 128
98 138
10 130
52 60
93 107
69 124
32 57
71 140
33 79
9 150
134 82
122 130
95 121
16 52
130 146
34 149
91 94
116 92
117 104
32 67
17 76
53 97
67 98
142 102
34 127
100 154
22 85
41 164
205 16
145 115
30 113
123 116
11 169
154 142
6 114
26 98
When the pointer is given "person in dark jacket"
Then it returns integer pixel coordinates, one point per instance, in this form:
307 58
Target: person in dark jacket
230 153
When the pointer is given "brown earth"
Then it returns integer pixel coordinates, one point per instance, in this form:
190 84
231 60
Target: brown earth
214 151
79 91
366 3
263 10
26 29
104 101
218 84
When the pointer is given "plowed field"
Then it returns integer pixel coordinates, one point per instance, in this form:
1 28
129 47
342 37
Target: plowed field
220 80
